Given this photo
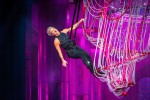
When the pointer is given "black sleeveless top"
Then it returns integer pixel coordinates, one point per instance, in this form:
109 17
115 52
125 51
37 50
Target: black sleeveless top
65 42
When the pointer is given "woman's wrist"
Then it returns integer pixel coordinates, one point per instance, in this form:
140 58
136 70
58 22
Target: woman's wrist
81 20
62 60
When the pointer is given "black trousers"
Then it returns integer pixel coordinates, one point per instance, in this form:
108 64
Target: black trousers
77 52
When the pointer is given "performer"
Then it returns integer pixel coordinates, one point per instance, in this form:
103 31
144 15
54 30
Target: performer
73 51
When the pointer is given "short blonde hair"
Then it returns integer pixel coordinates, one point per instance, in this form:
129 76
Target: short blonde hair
48 31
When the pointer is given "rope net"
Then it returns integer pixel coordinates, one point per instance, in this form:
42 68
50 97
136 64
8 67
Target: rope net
119 30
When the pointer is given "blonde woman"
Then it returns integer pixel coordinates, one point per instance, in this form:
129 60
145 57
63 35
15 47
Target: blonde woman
73 51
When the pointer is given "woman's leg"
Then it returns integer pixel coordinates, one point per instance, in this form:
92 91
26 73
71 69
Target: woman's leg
88 62
79 53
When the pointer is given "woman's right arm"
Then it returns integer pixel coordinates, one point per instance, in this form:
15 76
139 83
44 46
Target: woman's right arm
57 46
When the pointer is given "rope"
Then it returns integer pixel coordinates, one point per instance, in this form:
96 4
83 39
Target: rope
73 18
77 20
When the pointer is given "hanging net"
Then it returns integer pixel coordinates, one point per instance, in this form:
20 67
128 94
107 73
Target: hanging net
120 32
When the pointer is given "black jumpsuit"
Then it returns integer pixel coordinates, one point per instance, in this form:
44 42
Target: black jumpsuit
73 51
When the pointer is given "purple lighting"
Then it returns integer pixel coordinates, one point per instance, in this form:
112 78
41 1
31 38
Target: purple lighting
46 79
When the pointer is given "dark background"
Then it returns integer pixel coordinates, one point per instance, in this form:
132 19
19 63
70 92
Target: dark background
12 47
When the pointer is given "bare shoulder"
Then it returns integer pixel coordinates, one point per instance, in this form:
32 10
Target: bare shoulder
56 41
66 30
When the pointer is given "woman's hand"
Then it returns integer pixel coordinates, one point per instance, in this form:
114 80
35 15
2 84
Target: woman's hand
64 63
74 26
82 20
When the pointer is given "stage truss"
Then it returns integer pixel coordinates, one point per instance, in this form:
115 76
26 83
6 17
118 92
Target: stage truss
120 32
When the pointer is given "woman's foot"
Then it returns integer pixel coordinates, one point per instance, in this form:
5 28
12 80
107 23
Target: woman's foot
99 73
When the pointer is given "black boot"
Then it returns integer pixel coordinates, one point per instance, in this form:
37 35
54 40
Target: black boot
99 73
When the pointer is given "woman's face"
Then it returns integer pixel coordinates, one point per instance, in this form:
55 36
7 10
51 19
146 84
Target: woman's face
54 32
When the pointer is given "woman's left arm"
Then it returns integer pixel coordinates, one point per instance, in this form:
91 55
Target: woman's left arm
74 26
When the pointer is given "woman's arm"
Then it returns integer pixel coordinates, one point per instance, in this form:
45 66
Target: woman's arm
57 46
74 26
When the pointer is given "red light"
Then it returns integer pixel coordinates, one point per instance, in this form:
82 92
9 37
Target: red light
124 93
